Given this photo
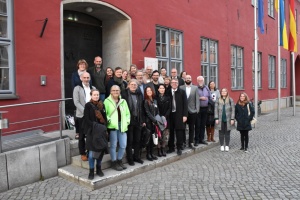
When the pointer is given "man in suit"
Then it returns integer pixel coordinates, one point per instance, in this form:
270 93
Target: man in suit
141 84
154 83
193 107
174 75
178 117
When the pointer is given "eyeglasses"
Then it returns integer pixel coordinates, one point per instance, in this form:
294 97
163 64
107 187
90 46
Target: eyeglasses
115 90
174 82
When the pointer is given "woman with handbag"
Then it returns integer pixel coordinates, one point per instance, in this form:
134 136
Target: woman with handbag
118 119
164 107
244 113
94 113
224 118
151 110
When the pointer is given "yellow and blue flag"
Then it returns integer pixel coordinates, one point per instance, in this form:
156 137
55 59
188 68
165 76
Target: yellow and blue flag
283 41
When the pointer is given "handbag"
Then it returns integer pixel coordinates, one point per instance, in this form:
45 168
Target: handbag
155 139
254 120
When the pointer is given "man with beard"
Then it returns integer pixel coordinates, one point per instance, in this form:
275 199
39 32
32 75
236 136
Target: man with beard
141 84
193 108
98 76
154 83
134 99
204 96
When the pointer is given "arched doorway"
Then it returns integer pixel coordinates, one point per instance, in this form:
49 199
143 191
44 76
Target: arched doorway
92 28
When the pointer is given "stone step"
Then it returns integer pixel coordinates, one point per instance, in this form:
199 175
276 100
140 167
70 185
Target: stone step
297 103
78 172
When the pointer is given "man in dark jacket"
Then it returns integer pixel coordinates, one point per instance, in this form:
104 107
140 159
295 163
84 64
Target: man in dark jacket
134 100
98 76
178 117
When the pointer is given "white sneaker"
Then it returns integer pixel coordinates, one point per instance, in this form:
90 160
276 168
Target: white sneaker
222 148
227 148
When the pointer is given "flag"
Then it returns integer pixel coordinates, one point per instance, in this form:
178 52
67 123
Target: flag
292 35
261 16
283 41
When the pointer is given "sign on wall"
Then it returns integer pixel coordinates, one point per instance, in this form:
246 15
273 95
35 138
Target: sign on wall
151 62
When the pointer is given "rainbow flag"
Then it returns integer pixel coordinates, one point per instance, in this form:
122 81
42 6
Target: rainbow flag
292 35
283 33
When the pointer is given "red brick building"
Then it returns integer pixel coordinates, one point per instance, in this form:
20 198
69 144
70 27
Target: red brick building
210 38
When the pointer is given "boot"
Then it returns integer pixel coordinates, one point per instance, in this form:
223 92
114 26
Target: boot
152 155
208 132
116 166
159 154
212 135
148 156
99 171
163 152
121 164
91 174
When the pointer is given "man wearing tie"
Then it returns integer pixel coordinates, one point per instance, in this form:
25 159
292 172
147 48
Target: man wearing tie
193 108
178 117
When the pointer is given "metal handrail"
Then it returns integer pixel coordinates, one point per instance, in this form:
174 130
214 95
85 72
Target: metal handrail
33 103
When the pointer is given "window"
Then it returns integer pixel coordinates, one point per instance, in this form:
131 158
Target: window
6 50
169 48
271 8
271 64
258 69
237 67
209 60
283 73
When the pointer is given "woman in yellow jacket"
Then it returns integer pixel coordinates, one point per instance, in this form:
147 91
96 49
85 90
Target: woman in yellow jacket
118 119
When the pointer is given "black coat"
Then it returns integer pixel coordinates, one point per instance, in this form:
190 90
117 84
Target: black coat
210 121
181 109
140 119
164 107
89 119
242 117
151 110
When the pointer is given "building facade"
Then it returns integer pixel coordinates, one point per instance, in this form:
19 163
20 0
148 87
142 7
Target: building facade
45 39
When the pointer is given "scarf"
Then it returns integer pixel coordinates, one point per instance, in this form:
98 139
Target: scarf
99 107
119 82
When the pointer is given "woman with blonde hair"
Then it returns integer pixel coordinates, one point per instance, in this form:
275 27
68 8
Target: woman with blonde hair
244 113
224 118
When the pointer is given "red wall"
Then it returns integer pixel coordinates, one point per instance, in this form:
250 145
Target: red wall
230 22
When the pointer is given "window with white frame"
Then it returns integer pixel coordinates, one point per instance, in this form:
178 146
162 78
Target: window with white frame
6 49
209 60
283 73
258 69
237 67
271 8
169 48
272 83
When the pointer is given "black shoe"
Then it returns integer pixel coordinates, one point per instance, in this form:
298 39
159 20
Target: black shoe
196 144
121 164
153 157
179 152
91 174
170 151
116 166
246 150
163 152
159 152
242 148
99 171
138 160
149 157
203 142
131 163
182 147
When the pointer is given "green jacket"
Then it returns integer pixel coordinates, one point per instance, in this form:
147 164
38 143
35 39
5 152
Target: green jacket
112 121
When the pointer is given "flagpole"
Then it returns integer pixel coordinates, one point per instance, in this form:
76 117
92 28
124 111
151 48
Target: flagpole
255 60
278 67
294 84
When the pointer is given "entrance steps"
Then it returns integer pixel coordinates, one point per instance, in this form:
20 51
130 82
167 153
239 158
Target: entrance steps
78 170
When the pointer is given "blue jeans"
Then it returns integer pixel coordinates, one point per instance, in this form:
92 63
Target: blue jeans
92 160
102 97
114 137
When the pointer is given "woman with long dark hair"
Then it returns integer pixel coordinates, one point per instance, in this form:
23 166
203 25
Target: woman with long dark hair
151 110
244 112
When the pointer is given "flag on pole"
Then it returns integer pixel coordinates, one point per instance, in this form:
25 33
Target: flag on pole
261 16
283 32
292 35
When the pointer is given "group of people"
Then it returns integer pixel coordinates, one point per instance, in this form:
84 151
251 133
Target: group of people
122 105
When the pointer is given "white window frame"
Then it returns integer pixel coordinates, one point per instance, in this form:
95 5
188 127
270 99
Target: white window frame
171 58
7 80
271 8
272 72
237 67
283 82
259 62
209 60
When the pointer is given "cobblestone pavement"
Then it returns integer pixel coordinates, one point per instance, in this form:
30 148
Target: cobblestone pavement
270 170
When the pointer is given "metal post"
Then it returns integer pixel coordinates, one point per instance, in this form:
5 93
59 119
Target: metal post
60 119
